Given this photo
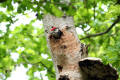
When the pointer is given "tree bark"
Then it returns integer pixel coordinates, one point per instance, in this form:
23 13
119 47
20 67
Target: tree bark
70 55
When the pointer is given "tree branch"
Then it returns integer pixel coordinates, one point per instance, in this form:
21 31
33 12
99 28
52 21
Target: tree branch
101 33
48 69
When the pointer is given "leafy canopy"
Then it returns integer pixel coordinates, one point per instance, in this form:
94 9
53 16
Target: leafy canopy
28 41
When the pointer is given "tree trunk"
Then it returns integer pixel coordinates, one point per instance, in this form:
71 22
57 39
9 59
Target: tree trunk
69 54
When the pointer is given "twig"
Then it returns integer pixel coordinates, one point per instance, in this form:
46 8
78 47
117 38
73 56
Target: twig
27 61
94 9
101 33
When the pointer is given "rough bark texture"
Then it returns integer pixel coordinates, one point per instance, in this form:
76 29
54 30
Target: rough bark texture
67 52
94 69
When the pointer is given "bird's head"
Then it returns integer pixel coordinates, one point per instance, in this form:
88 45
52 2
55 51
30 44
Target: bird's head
53 28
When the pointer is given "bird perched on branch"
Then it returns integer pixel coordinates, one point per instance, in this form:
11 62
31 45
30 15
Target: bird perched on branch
56 33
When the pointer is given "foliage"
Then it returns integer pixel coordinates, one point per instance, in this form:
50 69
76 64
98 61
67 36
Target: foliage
91 16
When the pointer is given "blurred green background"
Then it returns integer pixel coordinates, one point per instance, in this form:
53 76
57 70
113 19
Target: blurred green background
22 39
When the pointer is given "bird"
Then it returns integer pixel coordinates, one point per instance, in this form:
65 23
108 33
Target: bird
56 33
